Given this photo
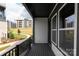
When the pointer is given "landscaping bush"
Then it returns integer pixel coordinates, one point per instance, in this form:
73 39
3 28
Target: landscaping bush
11 35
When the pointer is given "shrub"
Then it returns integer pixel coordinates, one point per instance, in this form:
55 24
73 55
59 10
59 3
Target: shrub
11 35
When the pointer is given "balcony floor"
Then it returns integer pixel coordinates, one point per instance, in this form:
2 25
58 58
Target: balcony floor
40 50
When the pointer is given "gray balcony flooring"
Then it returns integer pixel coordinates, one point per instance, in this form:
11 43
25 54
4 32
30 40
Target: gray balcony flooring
40 50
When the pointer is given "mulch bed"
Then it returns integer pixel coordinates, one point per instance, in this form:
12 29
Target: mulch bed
8 41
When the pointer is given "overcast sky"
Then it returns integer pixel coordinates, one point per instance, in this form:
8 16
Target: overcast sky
16 11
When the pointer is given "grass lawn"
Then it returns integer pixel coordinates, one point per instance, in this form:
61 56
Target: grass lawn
2 48
26 31
23 34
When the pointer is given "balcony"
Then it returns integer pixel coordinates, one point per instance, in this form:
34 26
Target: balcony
18 48
55 31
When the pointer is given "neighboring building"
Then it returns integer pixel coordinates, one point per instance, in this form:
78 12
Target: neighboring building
3 26
28 23
24 23
20 24
11 24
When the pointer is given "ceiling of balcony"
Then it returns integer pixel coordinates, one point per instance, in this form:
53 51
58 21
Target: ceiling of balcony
39 9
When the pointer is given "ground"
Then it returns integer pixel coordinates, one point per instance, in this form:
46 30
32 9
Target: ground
2 48
23 34
26 31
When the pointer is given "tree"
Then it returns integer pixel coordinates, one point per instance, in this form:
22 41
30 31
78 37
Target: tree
19 31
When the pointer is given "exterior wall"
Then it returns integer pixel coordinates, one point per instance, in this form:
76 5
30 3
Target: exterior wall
19 24
41 30
28 23
11 25
3 24
25 23
3 30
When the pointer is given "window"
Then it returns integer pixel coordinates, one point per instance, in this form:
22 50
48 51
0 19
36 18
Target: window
54 36
66 28
20 24
67 16
1 14
67 40
54 29
54 23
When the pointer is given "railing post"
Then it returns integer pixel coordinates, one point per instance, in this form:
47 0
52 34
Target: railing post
30 43
17 50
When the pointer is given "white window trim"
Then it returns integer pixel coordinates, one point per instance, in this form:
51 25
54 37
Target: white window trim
66 29
53 29
75 31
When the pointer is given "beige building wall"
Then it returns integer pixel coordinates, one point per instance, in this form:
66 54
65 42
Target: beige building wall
3 29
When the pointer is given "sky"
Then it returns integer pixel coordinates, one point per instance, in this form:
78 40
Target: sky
16 11
70 18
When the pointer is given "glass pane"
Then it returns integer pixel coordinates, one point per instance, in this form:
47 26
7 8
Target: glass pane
54 36
66 42
67 16
1 14
70 21
54 23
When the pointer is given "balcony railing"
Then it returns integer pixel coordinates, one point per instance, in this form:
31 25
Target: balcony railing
20 48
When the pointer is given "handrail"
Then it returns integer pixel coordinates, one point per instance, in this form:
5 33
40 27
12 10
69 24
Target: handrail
6 50
16 49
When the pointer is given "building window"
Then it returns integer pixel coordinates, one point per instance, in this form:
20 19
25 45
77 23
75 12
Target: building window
66 28
1 14
54 29
20 24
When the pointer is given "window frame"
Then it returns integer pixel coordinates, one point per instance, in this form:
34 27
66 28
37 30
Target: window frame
59 15
73 28
55 15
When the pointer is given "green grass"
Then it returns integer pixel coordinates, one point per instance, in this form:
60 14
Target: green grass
18 36
2 48
23 34
26 31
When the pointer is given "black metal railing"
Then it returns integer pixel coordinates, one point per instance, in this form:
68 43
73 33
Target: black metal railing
19 49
